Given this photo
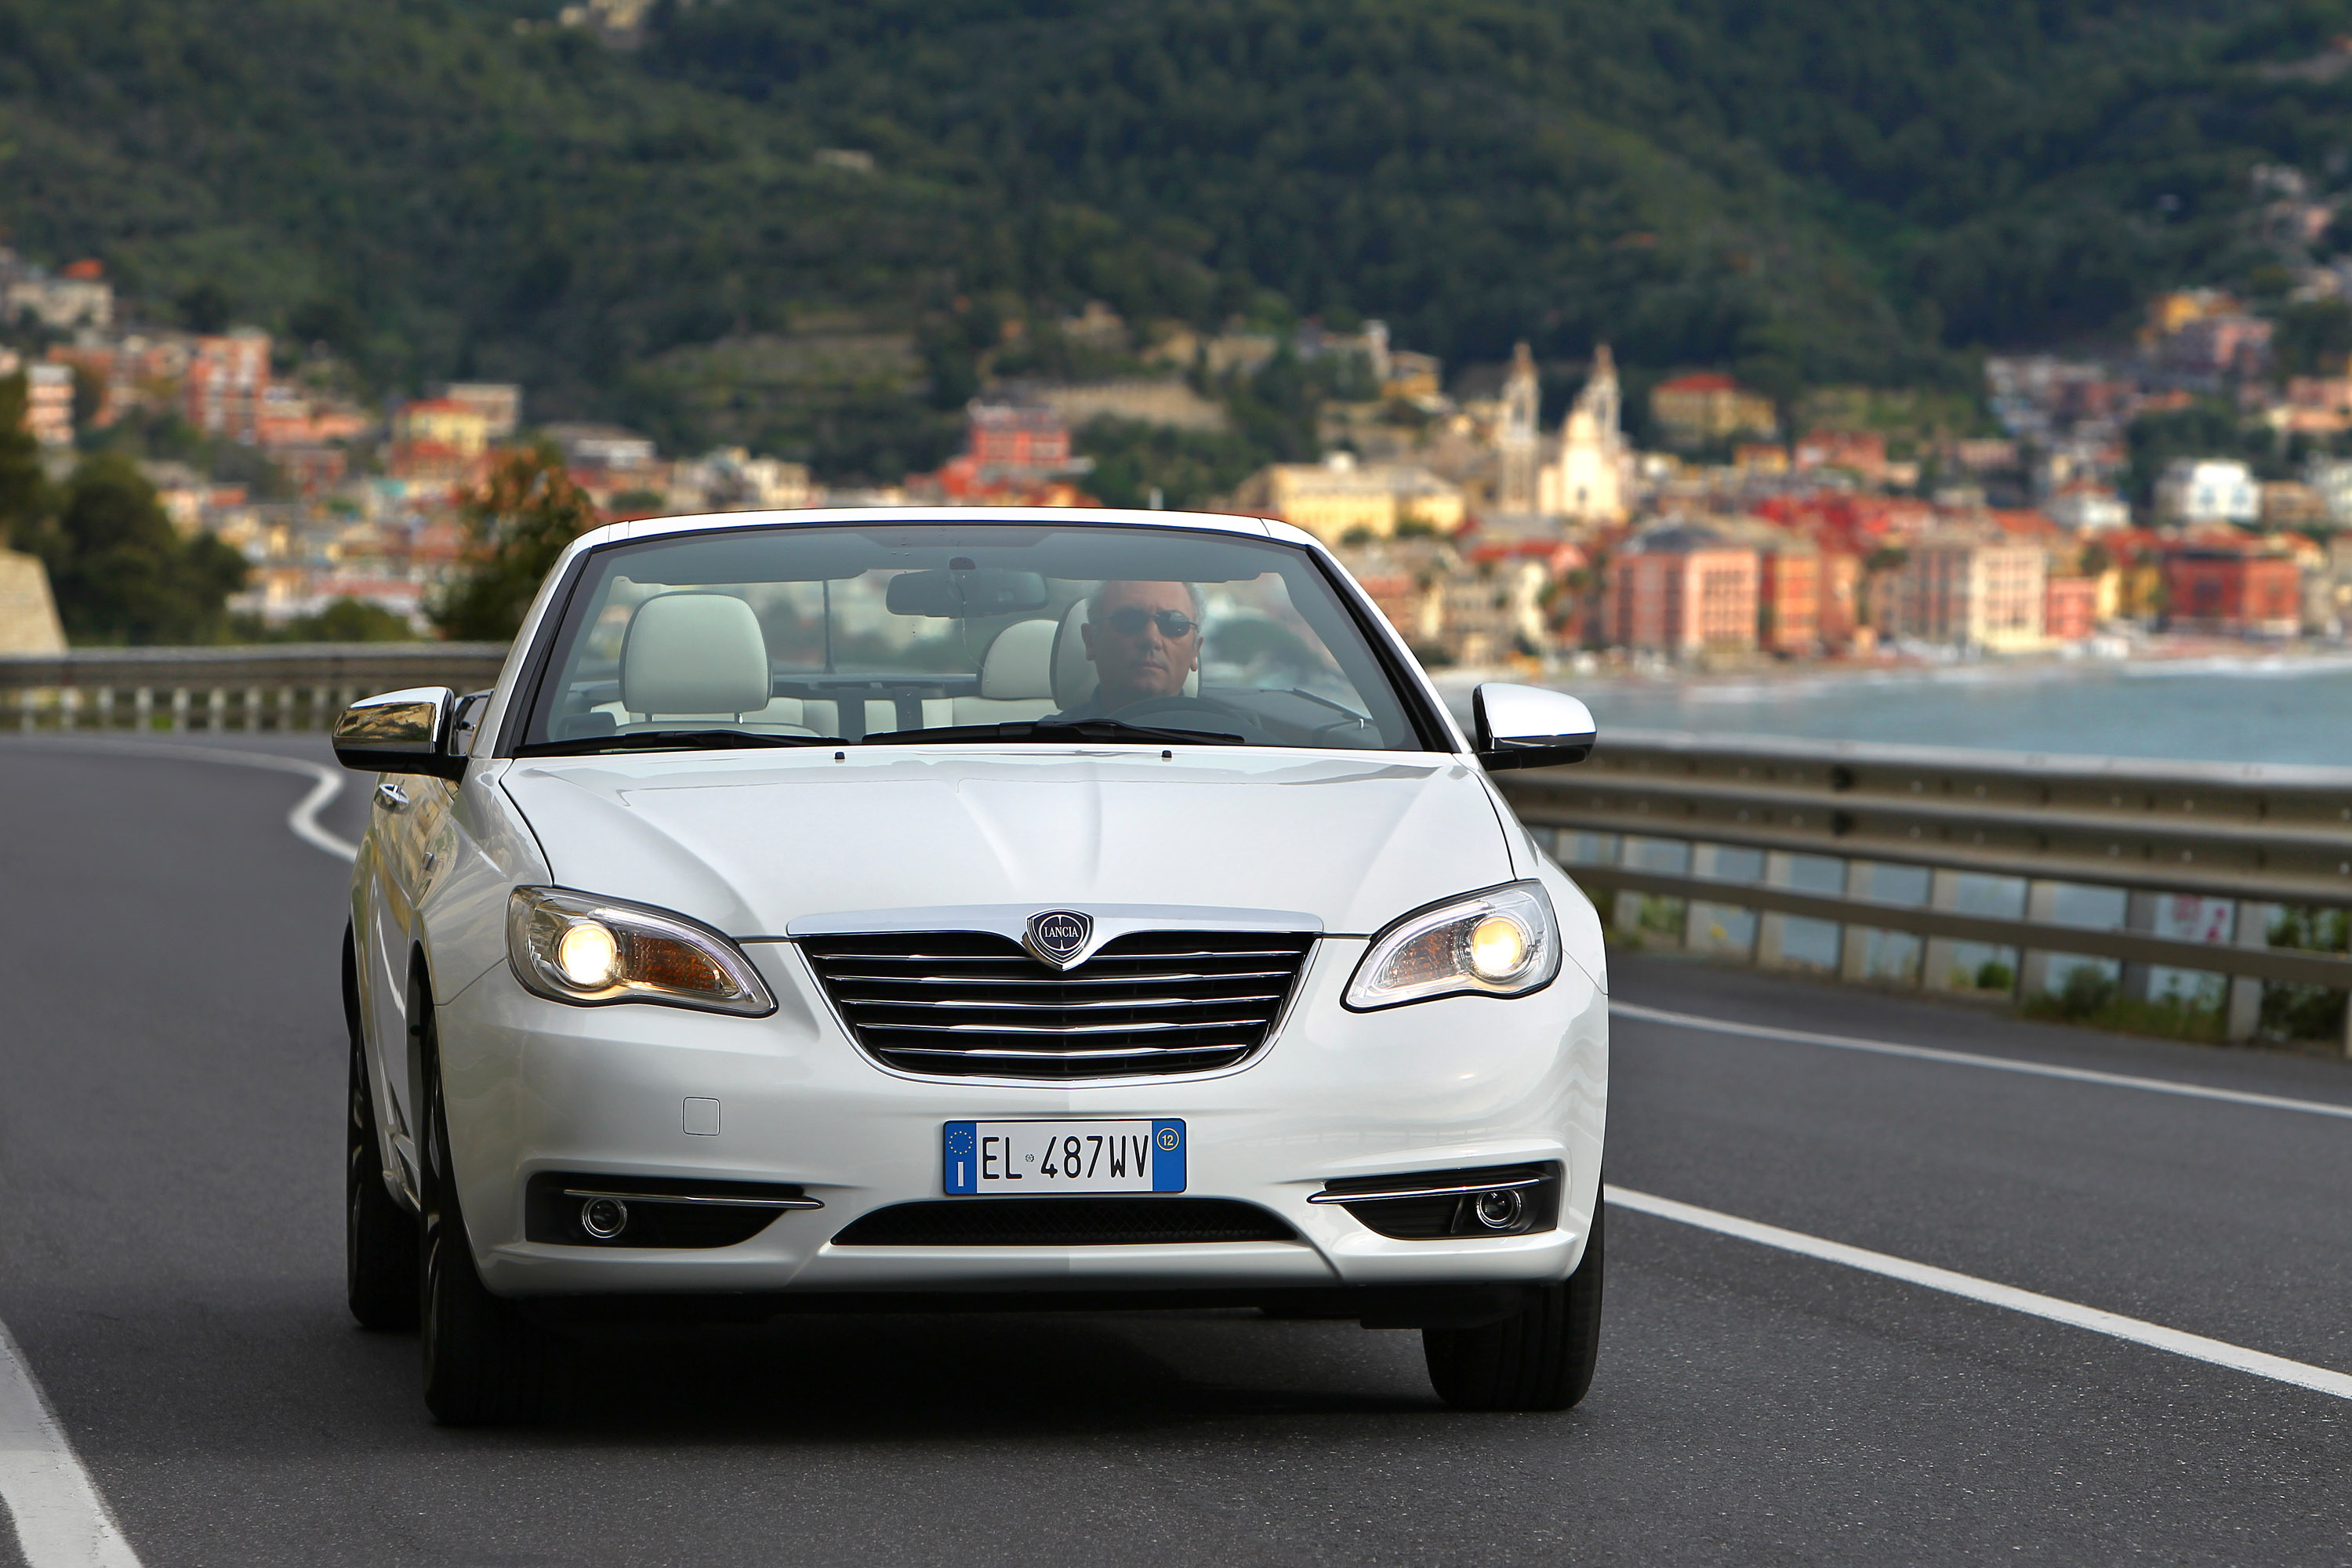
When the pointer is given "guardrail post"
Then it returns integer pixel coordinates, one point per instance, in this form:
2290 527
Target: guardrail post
2250 926
179 708
1874 954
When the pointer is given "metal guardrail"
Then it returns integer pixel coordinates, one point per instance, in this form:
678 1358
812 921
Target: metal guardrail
289 686
2182 866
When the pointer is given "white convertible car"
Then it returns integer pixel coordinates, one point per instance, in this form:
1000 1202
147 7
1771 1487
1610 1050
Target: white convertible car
832 911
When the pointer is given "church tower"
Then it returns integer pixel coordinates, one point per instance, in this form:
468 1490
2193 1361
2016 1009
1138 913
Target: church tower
1521 439
1588 482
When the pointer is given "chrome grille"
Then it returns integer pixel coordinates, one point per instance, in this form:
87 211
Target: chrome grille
972 1004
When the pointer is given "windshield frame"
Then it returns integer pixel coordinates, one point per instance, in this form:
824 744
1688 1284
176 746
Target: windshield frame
557 630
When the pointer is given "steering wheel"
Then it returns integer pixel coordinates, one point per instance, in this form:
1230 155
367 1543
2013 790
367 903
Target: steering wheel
1191 713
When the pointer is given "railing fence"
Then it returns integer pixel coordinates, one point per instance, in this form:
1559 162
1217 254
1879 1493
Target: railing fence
2210 896
296 685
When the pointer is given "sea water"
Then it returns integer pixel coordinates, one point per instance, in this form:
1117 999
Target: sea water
2255 709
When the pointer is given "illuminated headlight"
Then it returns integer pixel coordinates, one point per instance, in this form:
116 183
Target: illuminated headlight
574 947
1500 943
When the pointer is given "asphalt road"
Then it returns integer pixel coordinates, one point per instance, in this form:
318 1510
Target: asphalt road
170 1070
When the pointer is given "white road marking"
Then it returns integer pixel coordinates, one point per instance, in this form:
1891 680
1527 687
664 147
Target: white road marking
303 820
2196 1347
1971 1060
61 1521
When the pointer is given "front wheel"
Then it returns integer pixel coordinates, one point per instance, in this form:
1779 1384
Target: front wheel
485 1362
1539 1358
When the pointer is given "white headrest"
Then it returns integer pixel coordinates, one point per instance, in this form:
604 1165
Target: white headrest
694 652
1019 665
1073 672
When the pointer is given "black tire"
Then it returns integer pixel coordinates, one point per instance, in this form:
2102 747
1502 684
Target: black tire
1540 1359
485 1362
379 1234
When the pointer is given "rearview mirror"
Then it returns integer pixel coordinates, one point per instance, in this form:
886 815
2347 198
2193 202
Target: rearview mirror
1528 727
967 592
400 732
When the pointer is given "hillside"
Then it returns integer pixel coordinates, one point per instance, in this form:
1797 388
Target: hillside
1804 192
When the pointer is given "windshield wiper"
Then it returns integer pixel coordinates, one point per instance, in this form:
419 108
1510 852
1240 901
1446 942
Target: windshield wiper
669 740
1057 730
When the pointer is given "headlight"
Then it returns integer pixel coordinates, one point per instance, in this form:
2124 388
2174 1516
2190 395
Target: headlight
574 947
1500 943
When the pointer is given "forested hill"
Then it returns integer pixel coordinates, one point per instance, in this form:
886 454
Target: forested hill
1803 190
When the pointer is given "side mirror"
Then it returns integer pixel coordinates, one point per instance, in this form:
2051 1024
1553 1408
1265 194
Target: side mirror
401 733
1528 727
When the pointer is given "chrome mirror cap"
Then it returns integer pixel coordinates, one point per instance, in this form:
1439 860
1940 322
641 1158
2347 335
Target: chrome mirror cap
400 732
1529 727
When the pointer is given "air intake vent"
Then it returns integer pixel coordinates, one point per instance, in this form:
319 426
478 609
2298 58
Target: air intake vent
1063 1222
972 1004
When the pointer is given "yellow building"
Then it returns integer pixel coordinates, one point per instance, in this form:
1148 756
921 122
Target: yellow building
1338 498
1694 410
463 426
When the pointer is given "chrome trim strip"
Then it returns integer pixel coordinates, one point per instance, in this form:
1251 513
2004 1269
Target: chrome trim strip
1024 958
992 1007
1144 1027
683 1198
1328 1197
1060 980
1131 1053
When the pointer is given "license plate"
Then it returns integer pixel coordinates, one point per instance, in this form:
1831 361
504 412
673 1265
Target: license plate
1033 1159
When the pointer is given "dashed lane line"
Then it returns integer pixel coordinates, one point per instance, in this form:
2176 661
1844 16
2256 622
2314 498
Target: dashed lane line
2196 1347
61 1521
303 820
1973 1059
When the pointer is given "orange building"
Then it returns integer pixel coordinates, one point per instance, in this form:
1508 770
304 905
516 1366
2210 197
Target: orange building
1682 590
2234 589
1789 586
2070 608
227 380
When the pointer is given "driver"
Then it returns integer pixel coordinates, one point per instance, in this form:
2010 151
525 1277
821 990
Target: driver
1144 639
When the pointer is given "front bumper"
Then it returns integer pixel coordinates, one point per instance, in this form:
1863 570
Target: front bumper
536 1086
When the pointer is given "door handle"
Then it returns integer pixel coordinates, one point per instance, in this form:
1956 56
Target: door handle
391 797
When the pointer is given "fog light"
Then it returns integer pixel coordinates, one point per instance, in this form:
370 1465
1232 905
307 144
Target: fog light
604 1218
1502 1209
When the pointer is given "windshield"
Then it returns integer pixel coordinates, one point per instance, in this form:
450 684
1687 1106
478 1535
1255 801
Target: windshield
970 632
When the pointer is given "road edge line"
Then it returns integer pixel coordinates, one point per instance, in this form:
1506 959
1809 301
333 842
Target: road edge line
1974 1060
2115 1325
302 821
62 1517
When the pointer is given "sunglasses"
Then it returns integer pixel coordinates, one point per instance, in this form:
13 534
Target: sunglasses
1130 621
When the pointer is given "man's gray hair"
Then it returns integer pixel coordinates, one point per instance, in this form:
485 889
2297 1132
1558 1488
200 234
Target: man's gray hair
1191 592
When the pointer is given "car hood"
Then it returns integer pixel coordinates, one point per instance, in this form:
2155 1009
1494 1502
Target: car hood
751 843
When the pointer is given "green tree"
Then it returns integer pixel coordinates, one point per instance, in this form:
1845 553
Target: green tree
24 496
521 521
2314 338
121 572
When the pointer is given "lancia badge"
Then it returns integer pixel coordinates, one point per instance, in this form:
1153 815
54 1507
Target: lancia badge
1058 936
